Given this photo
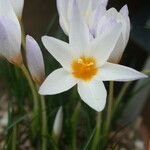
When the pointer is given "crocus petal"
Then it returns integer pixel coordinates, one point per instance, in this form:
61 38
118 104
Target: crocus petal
93 93
10 40
95 3
115 72
105 25
6 10
104 2
85 7
124 37
126 21
57 127
79 32
124 10
57 82
60 51
62 6
35 60
18 7
116 54
101 47
95 17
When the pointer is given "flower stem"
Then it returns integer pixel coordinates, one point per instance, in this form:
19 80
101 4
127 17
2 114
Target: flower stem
74 122
32 87
23 38
110 107
120 96
44 124
97 133
14 138
34 94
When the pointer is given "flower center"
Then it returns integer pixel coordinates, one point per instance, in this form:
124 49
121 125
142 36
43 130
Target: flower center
84 68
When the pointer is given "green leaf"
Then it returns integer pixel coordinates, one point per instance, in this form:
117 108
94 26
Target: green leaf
90 139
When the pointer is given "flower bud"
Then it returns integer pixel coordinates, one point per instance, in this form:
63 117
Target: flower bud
10 34
35 60
57 127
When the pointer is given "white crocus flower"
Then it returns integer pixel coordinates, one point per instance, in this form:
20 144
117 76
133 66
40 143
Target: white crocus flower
90 10
10 34
35 60
57 127
98 20
18 7
105 24
85 63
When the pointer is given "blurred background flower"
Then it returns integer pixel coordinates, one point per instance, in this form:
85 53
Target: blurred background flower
35 60
10 38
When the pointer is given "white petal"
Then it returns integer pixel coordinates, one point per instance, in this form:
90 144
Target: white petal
84 7
104 2
96 16
125 31
96 2
57 82
10 40
57 127
105 25
125 20
62 7
115 72
59 50
93 93
18 7
6 10
102 47
124 10
35 60
79 33
116 54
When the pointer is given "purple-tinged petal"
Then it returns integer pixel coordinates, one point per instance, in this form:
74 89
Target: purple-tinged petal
10 40
96 16
35 60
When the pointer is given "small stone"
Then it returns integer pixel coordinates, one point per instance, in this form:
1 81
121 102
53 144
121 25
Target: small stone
4 120
139 144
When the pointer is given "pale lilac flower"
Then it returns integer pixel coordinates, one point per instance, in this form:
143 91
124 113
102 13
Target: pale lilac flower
10 34
35 60
90 10
85 63
58 122
99 20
